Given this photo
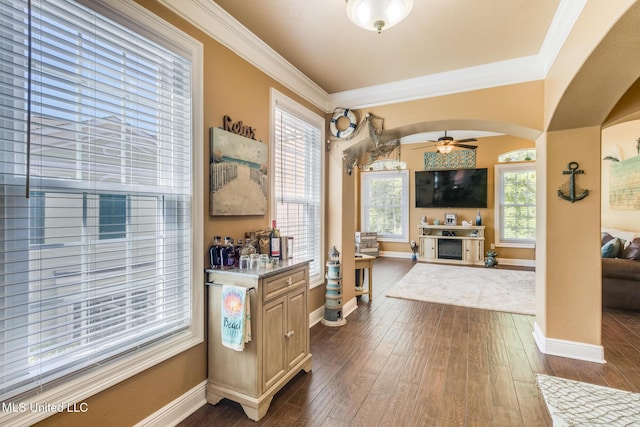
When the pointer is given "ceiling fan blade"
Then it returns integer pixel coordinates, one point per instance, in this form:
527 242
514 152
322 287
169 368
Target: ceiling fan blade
466 140
470 147
422 147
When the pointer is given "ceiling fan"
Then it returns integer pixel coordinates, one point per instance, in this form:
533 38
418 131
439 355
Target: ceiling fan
446 143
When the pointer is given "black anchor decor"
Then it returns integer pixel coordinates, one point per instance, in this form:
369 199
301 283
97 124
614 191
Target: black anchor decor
568 191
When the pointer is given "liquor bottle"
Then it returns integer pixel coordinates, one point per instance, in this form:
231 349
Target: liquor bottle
228 253
274 241
214 253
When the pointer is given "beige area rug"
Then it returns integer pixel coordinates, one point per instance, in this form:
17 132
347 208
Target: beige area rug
574 403
496 289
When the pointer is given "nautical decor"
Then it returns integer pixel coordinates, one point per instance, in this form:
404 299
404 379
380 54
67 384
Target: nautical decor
333 297
338 113
569 191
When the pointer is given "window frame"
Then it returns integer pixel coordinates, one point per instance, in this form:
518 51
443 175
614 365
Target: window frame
279 100
499 170
85 383
366 178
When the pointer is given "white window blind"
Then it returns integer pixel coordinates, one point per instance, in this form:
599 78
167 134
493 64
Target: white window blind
297 172
96 128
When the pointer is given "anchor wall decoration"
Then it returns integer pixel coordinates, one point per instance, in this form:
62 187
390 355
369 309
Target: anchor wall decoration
569 191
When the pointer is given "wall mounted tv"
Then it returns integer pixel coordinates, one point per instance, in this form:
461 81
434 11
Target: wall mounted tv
451 188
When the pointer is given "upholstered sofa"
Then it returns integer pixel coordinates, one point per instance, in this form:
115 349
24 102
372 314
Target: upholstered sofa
620 269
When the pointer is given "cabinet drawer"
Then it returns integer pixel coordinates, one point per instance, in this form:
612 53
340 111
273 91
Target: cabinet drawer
281 283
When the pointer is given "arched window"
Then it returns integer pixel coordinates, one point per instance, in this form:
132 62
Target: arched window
387 165
520 155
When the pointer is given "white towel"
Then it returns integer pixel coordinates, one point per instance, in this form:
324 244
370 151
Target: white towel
235 317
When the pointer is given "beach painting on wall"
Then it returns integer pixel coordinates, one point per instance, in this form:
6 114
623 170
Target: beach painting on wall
238 175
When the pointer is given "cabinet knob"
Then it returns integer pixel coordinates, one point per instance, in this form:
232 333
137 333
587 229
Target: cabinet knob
289 334
289 281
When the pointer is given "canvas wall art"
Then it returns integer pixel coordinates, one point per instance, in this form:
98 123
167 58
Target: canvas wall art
624 184
238 174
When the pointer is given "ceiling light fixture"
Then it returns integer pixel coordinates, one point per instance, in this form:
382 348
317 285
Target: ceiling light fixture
445 149
378 15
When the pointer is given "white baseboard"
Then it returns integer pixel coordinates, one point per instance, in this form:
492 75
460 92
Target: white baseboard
570 349
179 409
316 316
391 254
350 307
517 262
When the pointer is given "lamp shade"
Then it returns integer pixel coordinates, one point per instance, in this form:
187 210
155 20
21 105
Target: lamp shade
378 15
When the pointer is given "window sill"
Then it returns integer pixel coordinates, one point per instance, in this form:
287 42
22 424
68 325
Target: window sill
515 245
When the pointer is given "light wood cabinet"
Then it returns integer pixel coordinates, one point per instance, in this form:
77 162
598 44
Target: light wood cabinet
279 348
457 244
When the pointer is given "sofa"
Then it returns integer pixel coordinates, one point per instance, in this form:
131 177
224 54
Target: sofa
620 252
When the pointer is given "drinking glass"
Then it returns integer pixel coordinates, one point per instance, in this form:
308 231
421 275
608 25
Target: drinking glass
244 262
254 261
263 261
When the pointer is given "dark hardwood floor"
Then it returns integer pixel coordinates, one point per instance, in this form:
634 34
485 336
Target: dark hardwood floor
409 363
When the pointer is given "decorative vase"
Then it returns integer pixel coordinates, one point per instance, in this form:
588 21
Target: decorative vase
478 218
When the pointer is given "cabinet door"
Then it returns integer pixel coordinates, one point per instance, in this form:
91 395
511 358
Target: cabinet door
472 251
428 247
274 328
296 337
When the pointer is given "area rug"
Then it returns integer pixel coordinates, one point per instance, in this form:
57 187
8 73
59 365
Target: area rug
496 289
574 403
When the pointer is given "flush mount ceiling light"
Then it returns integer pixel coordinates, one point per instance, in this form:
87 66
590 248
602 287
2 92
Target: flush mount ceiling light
378 15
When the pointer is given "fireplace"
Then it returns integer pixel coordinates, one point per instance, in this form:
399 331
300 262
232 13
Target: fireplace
450 249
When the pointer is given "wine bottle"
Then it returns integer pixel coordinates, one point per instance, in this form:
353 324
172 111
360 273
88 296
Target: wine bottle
274 241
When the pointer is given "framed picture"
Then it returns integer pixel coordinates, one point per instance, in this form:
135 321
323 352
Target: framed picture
237 174
450 219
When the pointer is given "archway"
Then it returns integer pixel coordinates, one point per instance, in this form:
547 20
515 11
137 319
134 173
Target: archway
568 322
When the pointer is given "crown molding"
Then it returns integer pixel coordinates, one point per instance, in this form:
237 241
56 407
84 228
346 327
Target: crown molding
217 23
563 21
479 77
210 18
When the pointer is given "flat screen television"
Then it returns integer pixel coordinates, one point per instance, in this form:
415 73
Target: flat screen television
451 188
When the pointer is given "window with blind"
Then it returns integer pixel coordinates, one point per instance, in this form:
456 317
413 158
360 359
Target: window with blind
297 154
96 188
515 209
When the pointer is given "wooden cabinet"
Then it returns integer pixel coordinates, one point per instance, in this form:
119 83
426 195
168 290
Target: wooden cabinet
457 244
279 348
428 248
473 251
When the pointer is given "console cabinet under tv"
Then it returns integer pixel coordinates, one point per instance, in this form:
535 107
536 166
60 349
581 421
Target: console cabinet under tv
455 244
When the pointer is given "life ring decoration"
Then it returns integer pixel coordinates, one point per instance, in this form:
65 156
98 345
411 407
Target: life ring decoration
353 123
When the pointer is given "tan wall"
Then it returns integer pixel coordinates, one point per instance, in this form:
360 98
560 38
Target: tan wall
573 297
231 87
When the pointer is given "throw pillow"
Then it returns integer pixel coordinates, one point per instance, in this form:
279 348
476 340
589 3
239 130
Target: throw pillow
605 238
632 251
611 249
